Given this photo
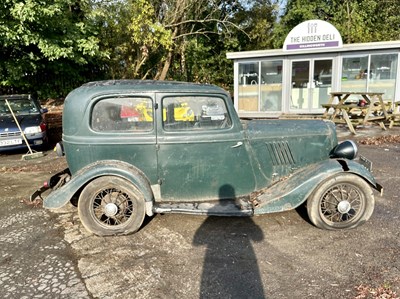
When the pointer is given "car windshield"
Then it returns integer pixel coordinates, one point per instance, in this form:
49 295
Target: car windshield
18 106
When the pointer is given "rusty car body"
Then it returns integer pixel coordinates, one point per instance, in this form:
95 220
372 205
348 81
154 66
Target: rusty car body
211 163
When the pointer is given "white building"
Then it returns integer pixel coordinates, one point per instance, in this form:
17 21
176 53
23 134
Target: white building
299 78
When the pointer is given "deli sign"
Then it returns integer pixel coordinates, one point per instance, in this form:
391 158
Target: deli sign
313 34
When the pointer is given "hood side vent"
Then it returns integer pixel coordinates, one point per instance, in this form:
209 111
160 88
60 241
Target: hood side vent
280 153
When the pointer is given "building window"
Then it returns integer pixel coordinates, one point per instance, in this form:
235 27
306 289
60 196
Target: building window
271 85
321 83
370 73
383 71
355 73
260 86
248 86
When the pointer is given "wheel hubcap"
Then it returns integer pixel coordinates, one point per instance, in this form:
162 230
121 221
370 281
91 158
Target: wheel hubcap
344 207
111 209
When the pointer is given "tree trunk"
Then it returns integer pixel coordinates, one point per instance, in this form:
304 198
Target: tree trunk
168 59
348 23
167 64
183 60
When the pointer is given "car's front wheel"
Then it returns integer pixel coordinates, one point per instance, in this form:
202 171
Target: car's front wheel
111 205
342 201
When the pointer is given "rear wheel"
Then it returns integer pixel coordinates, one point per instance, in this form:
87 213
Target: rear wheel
342 201
111 205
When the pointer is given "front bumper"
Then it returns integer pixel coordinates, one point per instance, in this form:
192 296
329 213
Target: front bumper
11 142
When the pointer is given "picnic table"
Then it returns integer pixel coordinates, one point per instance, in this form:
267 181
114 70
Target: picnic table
369 107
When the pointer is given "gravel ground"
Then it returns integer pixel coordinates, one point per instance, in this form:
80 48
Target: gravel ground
49 255
35 260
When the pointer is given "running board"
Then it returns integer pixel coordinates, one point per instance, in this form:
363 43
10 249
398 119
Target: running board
210 209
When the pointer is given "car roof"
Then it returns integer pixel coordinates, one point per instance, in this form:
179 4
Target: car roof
79 98
147 85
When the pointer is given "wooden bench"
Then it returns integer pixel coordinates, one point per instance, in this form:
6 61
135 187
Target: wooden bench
373 109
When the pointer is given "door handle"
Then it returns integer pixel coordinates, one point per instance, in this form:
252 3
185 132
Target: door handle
237 144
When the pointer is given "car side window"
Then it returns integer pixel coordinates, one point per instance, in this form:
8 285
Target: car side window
182 113
123 114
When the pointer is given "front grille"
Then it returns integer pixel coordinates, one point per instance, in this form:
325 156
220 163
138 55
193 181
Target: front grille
10 134
280 153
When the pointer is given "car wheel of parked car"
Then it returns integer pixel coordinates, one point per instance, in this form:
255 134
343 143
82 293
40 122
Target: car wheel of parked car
342 201
111 205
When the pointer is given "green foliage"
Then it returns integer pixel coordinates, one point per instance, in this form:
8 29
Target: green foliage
44 39
130 32
161 39
206 64
144 28
52 46
357 20
368 21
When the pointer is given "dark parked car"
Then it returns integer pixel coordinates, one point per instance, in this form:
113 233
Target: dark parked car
29 115
199 160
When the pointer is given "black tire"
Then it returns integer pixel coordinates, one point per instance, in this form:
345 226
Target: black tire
343 201
111 205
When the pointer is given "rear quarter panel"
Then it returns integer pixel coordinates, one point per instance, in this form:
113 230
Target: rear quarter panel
84 145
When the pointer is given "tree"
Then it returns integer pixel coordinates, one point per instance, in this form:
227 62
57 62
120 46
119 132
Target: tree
147 36
54 45
181 39
45 40
262 18
356 20
131 34
367 20
198 30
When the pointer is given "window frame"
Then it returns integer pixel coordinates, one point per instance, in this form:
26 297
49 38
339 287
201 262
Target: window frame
115 100
195 124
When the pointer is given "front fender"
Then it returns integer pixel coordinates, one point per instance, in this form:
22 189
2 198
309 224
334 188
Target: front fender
63 195
293 191
360 170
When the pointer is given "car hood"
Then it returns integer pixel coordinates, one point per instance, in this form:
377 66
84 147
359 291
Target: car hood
287 145
7 123
277 128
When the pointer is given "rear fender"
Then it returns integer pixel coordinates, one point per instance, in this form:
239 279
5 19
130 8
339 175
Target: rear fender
293 191
63 195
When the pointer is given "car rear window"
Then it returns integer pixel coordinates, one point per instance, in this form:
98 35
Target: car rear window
123 114
18 106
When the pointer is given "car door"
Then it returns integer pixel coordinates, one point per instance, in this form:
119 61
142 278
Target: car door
201 150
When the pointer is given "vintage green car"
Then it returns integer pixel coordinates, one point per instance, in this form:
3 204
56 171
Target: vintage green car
211 163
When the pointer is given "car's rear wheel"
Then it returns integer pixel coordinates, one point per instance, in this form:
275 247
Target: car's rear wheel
342 201
111 205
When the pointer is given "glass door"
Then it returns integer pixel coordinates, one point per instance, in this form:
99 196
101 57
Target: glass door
300 85
311 84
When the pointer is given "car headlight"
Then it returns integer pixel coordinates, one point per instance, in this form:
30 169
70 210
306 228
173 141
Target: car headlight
32 130
59 149
347 149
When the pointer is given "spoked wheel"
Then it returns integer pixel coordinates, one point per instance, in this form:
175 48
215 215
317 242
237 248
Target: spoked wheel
343 201
111 206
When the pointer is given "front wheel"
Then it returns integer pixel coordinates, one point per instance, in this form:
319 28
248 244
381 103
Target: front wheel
110 205
342 201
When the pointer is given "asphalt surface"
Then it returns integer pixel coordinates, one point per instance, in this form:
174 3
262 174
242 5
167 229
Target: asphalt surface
47 254
35 262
